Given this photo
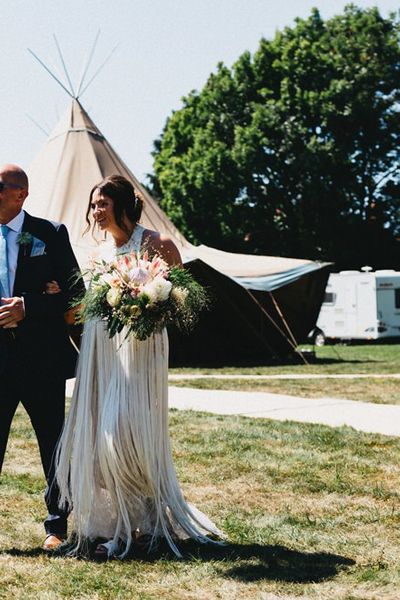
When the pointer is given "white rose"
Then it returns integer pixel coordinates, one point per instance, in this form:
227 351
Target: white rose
114 297
150 292
163 288
158 290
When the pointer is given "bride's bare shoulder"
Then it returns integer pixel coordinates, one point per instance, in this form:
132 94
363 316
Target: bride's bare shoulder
163 245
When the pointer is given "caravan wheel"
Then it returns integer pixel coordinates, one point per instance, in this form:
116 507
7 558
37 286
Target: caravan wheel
319 338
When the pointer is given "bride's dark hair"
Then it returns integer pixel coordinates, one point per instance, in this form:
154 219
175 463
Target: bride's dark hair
126 200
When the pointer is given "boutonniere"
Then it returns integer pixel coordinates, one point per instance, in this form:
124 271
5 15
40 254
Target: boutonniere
28 242
25 238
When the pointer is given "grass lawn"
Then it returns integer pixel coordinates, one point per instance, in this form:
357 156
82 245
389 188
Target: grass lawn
309 512
339 359
360 358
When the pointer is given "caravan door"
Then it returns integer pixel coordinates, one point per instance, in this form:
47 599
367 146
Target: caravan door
350 307
367 323
338 318
388 305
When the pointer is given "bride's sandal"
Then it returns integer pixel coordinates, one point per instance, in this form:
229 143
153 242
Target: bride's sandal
104 550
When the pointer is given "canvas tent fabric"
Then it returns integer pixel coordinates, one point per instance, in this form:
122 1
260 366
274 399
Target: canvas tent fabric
77 156
254 272
249 327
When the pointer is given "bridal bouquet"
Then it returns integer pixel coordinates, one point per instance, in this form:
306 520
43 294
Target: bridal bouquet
141 294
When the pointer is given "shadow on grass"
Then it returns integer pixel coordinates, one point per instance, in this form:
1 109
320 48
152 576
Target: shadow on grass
338 361
245 562
29 553
253 562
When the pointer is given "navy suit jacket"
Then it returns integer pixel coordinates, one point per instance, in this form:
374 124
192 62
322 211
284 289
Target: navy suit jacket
41 341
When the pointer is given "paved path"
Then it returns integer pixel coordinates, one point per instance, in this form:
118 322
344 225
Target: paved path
191 376
364 416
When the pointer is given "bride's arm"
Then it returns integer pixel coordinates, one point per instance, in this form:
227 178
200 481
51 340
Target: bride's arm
163 245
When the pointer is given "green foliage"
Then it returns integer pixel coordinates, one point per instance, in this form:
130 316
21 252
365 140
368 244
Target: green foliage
197 299
295 150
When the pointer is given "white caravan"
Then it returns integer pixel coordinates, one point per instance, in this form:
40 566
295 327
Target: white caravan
360 305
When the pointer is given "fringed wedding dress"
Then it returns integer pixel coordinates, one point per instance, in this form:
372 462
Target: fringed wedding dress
114 462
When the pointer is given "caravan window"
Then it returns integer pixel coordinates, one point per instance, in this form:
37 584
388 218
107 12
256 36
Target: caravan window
397 297
330 298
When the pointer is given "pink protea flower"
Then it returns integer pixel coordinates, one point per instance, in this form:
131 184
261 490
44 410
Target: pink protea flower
138 275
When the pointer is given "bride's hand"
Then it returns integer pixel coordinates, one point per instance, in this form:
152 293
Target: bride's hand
52 287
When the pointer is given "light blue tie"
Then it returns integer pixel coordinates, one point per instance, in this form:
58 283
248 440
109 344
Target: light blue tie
5 284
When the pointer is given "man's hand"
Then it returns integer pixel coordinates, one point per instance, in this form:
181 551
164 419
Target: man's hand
12 311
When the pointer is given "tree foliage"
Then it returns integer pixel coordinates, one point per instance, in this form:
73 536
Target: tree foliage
295 150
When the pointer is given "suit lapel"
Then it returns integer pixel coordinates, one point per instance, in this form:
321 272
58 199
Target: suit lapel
23 251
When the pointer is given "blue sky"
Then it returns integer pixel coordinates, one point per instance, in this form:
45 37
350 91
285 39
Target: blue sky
166 48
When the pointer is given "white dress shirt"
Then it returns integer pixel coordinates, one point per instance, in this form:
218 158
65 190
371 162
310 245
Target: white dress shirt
15 226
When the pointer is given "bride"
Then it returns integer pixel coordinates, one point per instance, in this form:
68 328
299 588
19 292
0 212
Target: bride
114 462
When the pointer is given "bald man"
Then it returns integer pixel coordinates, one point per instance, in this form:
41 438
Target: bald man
36 355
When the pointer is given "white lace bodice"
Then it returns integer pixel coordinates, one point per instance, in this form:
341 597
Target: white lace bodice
108 251
134 243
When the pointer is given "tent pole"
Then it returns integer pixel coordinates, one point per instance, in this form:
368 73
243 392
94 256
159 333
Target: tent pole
293 345
86 67
50 72
64 65
42 129
280 313
228 298
98 70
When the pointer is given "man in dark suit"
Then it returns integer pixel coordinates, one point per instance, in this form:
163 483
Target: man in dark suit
36 355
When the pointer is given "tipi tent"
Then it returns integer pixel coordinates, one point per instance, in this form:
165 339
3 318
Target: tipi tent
247 321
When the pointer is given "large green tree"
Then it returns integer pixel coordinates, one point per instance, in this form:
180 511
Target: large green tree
295 150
